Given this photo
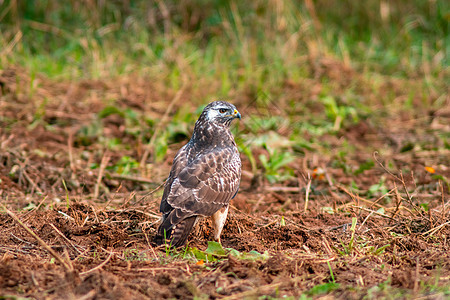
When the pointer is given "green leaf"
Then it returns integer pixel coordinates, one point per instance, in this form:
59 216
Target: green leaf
425 206
198 254
328 209
215 248
233 252
365 166
380 210
354 221
110 110
381 249
323 288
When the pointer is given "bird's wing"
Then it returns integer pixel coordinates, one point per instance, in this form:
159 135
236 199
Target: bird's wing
179 163
206 184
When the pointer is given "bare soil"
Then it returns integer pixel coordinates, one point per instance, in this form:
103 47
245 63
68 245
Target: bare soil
102 224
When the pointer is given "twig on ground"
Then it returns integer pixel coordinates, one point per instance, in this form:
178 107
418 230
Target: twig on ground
132 194
254 291
105 159
149 244
366 219
99 266
67 266
375 212
34 209
399 201
260 199
90 295
23 241
151 192
283 189
95 214
308 188
400 179
131 178
359 198
27 177
433 230
382 197
66 215
65 238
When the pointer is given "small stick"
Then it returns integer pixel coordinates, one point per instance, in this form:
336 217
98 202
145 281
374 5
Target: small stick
285 189
68 267
65 238
308 188
23 241
408 195
383 167
359 198
433 230
151 192
375 212
366 219
36 208
132 194
399 200
148 243
95 214
99 266
254 292
31 181
132 178
105 160
379 199
261 199
401 179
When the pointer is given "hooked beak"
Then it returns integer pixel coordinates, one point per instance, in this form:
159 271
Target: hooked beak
237 114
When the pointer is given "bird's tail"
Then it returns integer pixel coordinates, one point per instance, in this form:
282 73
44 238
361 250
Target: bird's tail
176 235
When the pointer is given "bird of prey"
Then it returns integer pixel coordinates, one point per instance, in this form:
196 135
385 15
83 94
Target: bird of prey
205 176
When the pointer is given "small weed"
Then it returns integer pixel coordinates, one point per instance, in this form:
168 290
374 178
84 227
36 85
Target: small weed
348 248
216 252
274 163
324 288
134 254
331 272
338 113
378 189
367 165
126 165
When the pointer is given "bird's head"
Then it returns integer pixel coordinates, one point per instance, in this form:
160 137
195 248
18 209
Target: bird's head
220 112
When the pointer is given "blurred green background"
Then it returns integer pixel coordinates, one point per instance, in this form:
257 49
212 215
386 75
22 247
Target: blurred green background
305 73
236 43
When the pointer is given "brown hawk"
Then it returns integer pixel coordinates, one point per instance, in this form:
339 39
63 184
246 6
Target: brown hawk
205 176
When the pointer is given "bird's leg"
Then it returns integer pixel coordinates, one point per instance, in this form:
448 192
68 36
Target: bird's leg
218 220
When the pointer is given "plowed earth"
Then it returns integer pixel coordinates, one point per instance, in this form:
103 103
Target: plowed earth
102 226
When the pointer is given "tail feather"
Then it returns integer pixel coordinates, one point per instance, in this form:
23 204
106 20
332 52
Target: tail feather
177 234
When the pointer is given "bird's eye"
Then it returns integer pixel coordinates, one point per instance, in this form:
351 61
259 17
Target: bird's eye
222 110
